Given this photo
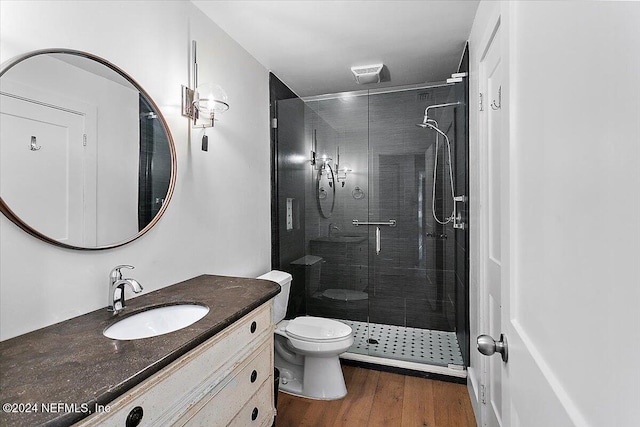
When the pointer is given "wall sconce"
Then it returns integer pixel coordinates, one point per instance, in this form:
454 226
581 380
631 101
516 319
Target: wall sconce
322 162
203 103
341 172
314 148
318 162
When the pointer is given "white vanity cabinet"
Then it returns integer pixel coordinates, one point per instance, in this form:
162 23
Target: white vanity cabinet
228 380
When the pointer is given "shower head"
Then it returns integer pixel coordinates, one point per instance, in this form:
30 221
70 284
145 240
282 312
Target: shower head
433 125
428 123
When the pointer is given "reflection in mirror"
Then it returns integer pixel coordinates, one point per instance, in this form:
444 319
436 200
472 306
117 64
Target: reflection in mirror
326 190
86 158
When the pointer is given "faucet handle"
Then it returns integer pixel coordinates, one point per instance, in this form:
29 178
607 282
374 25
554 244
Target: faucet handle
116 274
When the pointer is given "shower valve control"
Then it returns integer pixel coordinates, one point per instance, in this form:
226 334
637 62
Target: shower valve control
457 222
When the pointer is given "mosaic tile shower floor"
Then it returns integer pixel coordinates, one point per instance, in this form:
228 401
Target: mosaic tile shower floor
408 344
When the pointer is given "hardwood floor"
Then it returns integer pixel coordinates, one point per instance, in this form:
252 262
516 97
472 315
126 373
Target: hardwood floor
381 399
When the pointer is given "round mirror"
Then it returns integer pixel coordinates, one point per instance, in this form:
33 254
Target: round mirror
326 190
86 158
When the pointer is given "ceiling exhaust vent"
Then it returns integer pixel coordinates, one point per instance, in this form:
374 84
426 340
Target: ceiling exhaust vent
367 73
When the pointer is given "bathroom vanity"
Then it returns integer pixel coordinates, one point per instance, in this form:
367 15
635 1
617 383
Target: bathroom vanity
217 371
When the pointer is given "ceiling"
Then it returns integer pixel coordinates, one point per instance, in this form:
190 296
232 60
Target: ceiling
312 45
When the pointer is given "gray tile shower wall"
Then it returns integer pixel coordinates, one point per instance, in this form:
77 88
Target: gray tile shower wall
287 176
291 195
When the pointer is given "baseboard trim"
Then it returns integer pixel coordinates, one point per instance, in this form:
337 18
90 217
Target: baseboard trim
472 387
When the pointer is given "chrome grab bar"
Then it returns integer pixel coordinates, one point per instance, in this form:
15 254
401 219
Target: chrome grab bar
390 223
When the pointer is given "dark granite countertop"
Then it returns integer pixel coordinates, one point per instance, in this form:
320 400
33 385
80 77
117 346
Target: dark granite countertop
73 363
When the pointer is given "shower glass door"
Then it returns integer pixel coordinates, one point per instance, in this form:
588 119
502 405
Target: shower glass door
336 127
412 277
375 257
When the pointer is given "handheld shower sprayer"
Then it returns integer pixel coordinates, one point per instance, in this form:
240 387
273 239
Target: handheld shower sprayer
432 124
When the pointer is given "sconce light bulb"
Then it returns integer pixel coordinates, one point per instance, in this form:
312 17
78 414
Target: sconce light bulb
210 99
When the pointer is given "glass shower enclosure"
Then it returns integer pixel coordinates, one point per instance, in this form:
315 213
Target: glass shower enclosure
373 237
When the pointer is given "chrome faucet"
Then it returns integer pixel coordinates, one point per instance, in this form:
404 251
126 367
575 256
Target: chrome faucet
332 227
116 289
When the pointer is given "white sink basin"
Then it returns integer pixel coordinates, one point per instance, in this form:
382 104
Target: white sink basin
157 321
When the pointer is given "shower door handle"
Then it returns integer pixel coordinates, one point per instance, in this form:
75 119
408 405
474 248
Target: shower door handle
390 223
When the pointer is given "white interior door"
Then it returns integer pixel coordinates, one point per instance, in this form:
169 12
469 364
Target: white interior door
493 228
42 167
521 391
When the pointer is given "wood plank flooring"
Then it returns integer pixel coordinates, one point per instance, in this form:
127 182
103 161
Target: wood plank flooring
381 399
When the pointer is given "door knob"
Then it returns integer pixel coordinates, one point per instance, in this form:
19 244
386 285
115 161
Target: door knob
488 346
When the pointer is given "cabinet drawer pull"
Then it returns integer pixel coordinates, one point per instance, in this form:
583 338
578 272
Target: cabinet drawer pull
254 325
254 414
254 376
135 417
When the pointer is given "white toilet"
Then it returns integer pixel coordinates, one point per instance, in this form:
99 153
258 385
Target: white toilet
307 348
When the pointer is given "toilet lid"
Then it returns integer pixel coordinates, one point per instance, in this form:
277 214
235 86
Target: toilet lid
317 328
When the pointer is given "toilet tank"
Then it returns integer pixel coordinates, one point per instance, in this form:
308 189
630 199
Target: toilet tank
281 300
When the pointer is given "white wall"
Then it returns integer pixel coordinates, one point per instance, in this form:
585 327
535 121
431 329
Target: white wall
574 114
218 221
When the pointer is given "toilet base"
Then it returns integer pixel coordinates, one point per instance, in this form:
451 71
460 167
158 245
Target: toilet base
291 380
318 378
323 378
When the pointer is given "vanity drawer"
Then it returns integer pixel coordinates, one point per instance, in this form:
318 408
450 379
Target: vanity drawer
258 411
179 387
222 404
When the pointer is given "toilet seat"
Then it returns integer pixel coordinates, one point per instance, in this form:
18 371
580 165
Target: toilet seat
317 329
